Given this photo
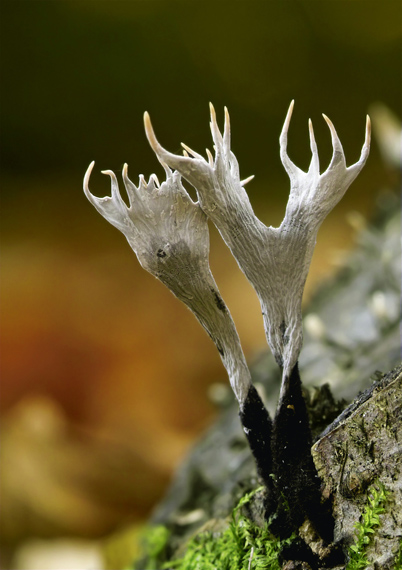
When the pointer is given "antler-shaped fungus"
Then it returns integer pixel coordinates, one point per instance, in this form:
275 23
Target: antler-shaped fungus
275 260
169 234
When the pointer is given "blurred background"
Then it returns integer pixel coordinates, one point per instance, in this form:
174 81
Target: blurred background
106 377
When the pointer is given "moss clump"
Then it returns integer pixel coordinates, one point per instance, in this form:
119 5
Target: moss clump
246 546
242 546
155 540
365 528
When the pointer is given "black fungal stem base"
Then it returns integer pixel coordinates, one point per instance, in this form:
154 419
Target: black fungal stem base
295 479
282 452
257 426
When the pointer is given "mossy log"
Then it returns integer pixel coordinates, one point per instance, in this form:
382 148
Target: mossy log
362 448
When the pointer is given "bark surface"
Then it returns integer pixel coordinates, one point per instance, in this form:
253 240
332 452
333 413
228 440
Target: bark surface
362 448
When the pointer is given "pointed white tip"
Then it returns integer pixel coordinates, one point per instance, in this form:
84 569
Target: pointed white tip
331 127
190 151
210 157
149 131
87 177
212 111
156 180
311 132
328 121
287 120
247 180
368 131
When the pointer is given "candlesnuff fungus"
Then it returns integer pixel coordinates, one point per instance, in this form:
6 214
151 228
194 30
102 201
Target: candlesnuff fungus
274 260
169 234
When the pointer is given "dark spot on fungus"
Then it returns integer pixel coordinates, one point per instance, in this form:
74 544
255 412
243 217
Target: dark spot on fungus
278 359
220 349
218 301
161 253
216 342
285 337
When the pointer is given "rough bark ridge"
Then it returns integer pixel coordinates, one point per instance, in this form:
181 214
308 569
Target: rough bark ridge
361 448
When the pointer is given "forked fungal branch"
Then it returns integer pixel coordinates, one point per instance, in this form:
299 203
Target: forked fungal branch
169 234
275 260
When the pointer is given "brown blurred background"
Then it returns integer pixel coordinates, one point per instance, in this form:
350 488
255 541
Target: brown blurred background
104 374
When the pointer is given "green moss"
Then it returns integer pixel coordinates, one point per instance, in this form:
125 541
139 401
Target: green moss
155 540
365 528
242 546
246 546
398 558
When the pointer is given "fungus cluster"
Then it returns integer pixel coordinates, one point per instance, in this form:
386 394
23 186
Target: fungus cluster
169 234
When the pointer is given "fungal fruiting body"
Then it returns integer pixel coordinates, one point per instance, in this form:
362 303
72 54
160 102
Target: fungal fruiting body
274 260
169 235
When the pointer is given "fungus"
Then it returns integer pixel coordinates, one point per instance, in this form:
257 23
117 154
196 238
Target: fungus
169 234
276 262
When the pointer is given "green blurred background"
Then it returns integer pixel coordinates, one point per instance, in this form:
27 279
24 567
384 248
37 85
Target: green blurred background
105 375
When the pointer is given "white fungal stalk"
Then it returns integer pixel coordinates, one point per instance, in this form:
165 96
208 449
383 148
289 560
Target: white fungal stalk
275 260
169 234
